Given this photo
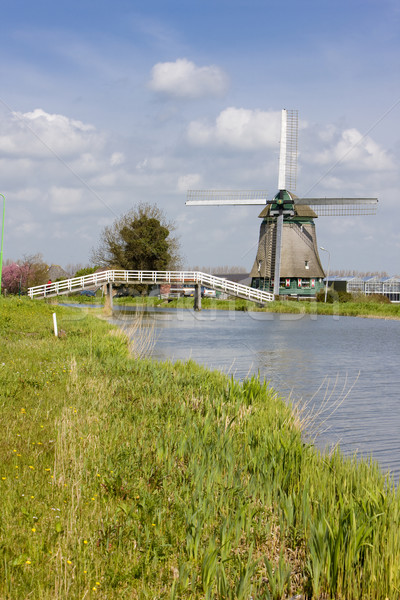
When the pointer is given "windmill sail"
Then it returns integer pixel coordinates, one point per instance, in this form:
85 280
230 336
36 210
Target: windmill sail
286 180
288 150
287 246
341 207
226 197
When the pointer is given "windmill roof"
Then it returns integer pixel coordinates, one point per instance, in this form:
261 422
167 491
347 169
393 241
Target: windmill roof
301 210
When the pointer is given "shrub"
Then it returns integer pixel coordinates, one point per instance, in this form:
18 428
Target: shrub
374 298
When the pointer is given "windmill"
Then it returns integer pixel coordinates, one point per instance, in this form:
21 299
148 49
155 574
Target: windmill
287 257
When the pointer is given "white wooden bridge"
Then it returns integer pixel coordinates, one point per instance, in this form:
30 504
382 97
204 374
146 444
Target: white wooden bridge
196 278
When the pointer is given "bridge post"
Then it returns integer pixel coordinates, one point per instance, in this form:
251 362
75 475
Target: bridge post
110 294
197 296
108 304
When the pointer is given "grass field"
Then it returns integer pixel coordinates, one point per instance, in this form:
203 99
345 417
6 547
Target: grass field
126 478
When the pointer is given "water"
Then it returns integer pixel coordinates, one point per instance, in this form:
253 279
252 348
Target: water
346 367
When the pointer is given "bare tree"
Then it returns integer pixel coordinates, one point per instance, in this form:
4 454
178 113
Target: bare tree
220 270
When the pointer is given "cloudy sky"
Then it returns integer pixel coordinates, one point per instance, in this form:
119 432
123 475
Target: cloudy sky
104 104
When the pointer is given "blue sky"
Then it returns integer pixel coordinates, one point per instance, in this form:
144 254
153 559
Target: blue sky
106 104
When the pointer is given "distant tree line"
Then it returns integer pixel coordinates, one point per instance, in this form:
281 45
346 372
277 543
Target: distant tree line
354 273
219 270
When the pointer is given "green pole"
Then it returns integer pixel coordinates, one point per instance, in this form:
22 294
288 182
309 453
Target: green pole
2 238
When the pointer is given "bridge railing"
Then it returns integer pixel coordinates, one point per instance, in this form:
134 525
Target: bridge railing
148 277
235 289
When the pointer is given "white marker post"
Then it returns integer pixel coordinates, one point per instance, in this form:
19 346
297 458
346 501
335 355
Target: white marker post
55 324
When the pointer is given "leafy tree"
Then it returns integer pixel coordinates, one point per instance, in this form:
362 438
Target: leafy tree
139 240
19 276
84 271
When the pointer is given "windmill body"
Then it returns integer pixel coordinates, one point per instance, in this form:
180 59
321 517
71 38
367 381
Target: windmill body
287 260
300 269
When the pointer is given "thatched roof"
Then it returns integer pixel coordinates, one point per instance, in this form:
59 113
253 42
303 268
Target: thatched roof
56 272
299 257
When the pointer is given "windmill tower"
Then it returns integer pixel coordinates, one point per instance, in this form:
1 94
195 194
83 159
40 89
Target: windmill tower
287 260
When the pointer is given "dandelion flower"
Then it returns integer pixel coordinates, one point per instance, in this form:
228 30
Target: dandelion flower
28 562
4 478
69 562
33 529
30 466
85 541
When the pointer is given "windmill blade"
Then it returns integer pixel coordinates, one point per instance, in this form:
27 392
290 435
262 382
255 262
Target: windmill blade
226 197
341 207
288 150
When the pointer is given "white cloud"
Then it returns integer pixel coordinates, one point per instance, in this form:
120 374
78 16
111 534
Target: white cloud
183 78
64 201
349 147
188 182
117 158
238 128
38 134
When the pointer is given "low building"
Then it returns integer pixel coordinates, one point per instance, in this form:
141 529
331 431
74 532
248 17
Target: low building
386 286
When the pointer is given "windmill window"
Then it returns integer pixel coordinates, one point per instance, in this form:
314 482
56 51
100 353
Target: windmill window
307 266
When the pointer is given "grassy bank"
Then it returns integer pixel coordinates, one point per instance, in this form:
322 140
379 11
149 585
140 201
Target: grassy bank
125 478
361 308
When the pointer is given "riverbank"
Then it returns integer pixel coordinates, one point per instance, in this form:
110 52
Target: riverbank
364 307
132 478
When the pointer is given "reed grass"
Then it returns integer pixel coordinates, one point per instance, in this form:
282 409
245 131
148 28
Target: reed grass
127 478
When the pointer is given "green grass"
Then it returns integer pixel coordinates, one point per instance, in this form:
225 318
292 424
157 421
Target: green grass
128 478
